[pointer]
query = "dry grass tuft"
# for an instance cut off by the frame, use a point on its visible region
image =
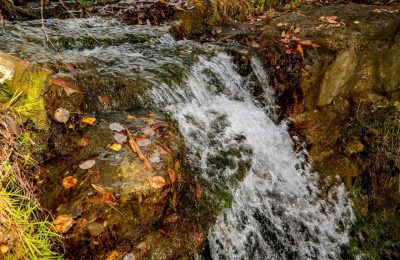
(24, 231)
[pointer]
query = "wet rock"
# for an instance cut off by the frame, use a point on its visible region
(29, 82)
(115, 200)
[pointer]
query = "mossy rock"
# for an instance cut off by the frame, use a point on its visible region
(28, 82)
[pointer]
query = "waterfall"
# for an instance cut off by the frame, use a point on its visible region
(276, 211)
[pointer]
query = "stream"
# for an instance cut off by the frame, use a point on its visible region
(265, 194)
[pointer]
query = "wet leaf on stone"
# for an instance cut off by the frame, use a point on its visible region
(69, 182)
(87, 164)
(99, 189)
(115, 147)
(157, 182)
(120, 138)
(117, 127)
(89, 120)
(62, 115)
(63, 223)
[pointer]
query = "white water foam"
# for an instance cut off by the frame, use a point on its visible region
(276, 212)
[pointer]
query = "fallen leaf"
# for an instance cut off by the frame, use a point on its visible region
(300, 50)
(109, 199)
(105, 101)
(99, 189)
(115, 147)
(83, 142)
(89, 120)
(63, 223)
(114, 255)
(61, 115)
(199, 190)
(288, 51)
(329, 19)
(69, 182)
(297, 30)
(130, 117)
(87, 164)
(157, 182)
(117, 127)
(197, 237)
(69, 88)
(120, 138)
(172, 175)
(137, 150)
(308, 43)
(12, 125)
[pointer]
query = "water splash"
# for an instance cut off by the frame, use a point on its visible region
(276, 212)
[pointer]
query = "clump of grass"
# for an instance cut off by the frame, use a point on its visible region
(25, 232)
(376, 192)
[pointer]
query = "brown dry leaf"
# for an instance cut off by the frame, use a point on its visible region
(115, 147)
(329, 19)
(137, 150)
(308, 43)
(105, 101)
(172, 175)
(157, 182)
(300, 50)
(69, 88)
(199, 190)
(89, 120)
(297, 30)
(99, 189)
(87, 164)
(288, 51)
(130, 117)
(83, 142)
(69, 182)
(63, 223)
(13, 125)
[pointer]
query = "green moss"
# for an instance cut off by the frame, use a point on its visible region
(28, 84)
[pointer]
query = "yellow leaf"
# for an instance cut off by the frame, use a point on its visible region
(63, 223)
(89, 120)
(115, 147)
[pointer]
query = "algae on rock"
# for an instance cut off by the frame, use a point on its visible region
(25, 83)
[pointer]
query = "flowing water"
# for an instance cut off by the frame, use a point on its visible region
(237, 148)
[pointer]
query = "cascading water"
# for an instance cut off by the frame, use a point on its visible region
(276, 212)
(229, 125)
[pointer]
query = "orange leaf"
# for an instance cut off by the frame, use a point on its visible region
(109, 199)
(157, 182)
(172, 175)
(63, 223)
(199, 190)
(89, 120)
(300, 50)
(69, 182)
